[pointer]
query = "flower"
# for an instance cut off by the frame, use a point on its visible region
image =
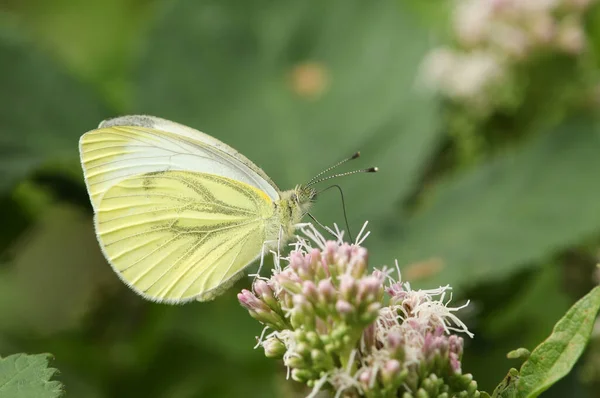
(338, 326)
(493, 38)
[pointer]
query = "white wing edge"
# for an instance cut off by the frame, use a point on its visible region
(183, 130)
(228, 154)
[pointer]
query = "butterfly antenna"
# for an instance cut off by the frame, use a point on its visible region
(343, 207)
(354, 156)
(369, 170)
(321, 225)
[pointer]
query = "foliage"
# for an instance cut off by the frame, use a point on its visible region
(555, 357)
(24, 376)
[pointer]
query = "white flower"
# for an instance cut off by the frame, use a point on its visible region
(437, 68)
(471, 20)
(472, 74)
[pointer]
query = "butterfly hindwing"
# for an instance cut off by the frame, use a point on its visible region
(178, 235)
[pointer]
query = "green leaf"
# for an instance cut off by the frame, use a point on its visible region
(519, 353)
(221, 325)
(43, 111)
(556, 356)
(27, 376)
(72, 276)
(98, 55)
(514, 210)
(243, 72)
(508, 387)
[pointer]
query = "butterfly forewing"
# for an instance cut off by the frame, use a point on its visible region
(110, 154)
(179, 235)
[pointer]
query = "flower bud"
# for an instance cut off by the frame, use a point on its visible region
(295, 361)
(315, 264)
(370, 313)
(252, 303)
(269, 318)
(320, 359)
(390, 372)
(369, 289)
(289, 280)
(328, 258)
(313, 339)
(348, 287)
(264, 291)
(300, 264)
(342, 257)
(365, 377)
(344, 308)
(303, 313)
(274, 348)
(395, 344)
(358, 262)
(327, 292)
(301, 375)
(309, 290)
(454, 363)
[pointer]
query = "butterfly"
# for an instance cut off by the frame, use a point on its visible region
(179, 214)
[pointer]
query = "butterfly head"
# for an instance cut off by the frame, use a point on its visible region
(304, 196)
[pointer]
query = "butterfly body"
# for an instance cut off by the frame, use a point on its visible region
(179, 214)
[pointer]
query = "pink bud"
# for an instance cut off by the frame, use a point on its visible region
(347, 286)
(368, 288)
(454, 363)
(456, 344)
(299, 263)
(392, 366)
(250, 301)
(358, 261)
(314, 261)
(328, 255)
(262, 288)
(365, 377)
(326, 290)
(289, 280)
(309, 290)
(344, 307)
(300, 301)
(395, 339)
(342, 257)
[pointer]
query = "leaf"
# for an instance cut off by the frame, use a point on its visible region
(43, 110)
(514, 210)
(519, 353)
(508, 387)
(556, 356)
(26, 376)
(99, 55)
(221, 325)
(61, 258)
(296, 86)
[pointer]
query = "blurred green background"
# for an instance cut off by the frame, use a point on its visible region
(502, 203)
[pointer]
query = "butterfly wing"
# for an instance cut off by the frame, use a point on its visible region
(174, 236)
(133, 145)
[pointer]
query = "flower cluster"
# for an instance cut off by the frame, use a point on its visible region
(493, 37)
(341, 328)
